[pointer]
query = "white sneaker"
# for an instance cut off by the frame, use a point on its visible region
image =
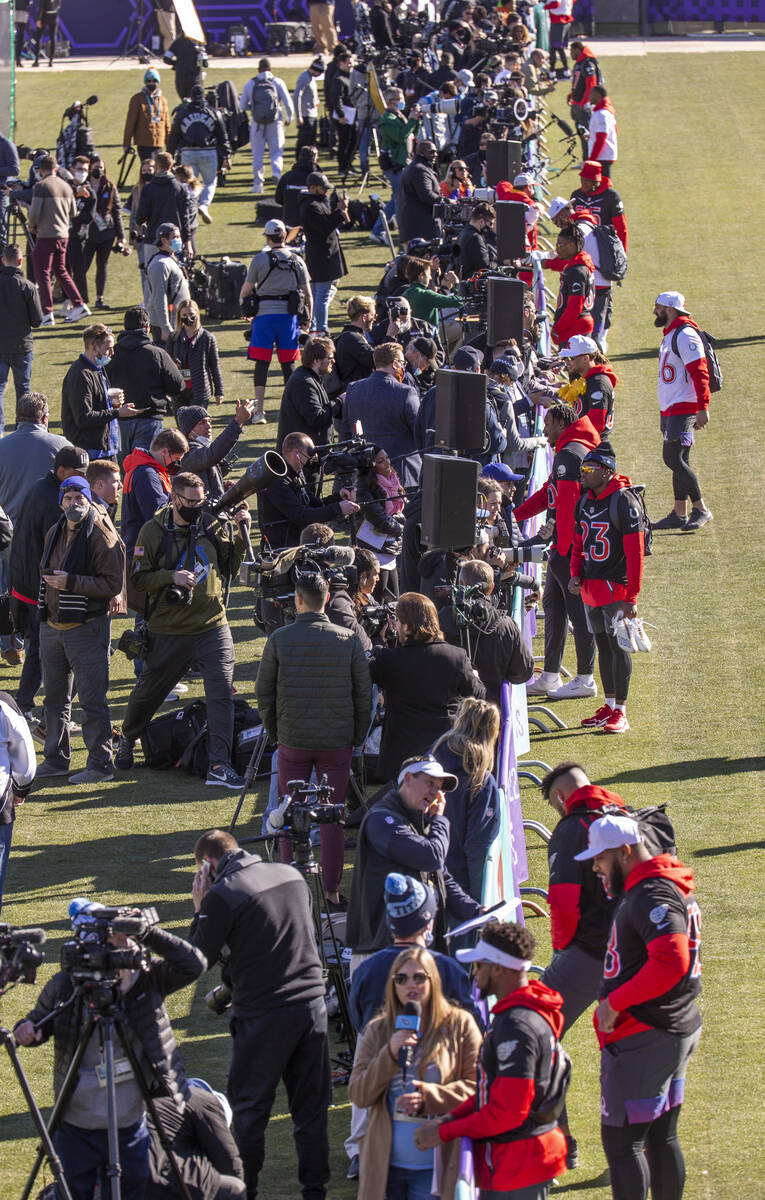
(639, 635)
(259, 418)
(48, 321)
(79, 310)
(204, 213)
(542, 685)
(575, 689)
(64, 308)
(174, 695)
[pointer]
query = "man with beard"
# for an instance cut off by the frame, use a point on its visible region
(684, 403)
(594, 381)
(648, 1022)
(517, 1152)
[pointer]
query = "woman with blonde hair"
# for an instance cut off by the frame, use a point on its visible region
(195, 352)
(421, 678)
(441, 1074)
(468, 751)
(457, 185)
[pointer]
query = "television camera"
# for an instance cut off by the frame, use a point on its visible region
(91, 958)
(19, 956)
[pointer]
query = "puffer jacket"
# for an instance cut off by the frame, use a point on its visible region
(180, 964)
(302, 690)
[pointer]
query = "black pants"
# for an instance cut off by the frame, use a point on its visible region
(643, 1155)
(606, 168)
(346, 145)
(307, 134)
(288, 1044)
(170, 656)
(614, 663)
(559, 605)
(49, 25)
(685, 483)
(101, 254)
(31, 672)
(75, 261)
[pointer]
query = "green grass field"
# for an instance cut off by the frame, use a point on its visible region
(692, 179)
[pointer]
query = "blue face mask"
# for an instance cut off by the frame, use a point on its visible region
(401, 105)
(416, 370)
(102, 360)
(176, 245)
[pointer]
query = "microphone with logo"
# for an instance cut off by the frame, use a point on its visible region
(408, 1019)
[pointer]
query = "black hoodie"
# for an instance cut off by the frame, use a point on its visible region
(146, 373)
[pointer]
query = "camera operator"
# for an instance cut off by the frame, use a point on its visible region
(167, 283)
(354, 357)
(306, 407)
(429, 305)
(9, 169)
(324, 257)
(418, 191)
(314, 696)
(421, 356)
(286, 506)
(81, 1139)
(188, 58)
(476, 242)
(181, 562)
(414, 81)
(261, 911)
(499, 654)
(400, 326)
(204, 457)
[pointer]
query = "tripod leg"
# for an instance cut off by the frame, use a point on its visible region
(334, 972)
(113, 1170)
(48, 1149)
(252, 769)
(149, 1102)
(61, 1102)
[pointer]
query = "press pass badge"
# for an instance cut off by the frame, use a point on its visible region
(122, 1072)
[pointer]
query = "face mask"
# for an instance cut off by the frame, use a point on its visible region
(429, 938)
(77, 512)
(150, 87)
(189, 512)
(79, 176)
(147, 175)
(96, 172)
(416, 370)
(101, 360)
(189, 320)
(401, 105)
(176, 245)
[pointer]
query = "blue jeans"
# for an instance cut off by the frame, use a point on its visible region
(20, 362)
(323, 295)
(203, 161)
(6, 833)
(393, 176)
(84, 1152)
(408, 1185)
(139, 431)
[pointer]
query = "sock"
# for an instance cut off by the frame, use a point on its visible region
(622, 708)
(610, 701)
(548, 675)
(586, 679)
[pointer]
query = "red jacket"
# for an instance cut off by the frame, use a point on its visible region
(605, 585)
(140, 458)
(590, 76)
(513, 1051)
(577, 289)
(562, 489)
(579, 908)
(607, 209)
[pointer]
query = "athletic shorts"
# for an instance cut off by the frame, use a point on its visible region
(599, 617)
(643, 1076)
(280, 328)
(679, 428)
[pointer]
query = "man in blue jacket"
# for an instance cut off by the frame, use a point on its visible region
(387, 409)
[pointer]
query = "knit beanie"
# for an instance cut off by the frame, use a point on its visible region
(409, 905)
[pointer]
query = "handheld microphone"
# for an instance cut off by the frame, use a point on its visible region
(409, 1019)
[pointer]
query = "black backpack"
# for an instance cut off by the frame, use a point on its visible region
(611, 252)
(655, 825)
(637, 492)
(178, 740)
(713, 362)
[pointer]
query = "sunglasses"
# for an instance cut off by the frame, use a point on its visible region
(588, 469)
(419, 978)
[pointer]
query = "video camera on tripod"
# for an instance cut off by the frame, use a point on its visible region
(345, 460)
(89, 957)
(19, 956)
(293, 818)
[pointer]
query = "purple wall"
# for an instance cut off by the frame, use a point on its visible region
(690, 10)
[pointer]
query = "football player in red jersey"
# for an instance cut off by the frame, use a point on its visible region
(598, 195)
(573, 312)
(596, 401)
(607, 571)
(648, 1022)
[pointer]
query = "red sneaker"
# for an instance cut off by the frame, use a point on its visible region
(616, 723)
(599, 718)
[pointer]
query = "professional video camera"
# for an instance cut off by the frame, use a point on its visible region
(19, 956)
(294, 818)
(346, 460)
(471, 605)
(88, 957)
(373, 618)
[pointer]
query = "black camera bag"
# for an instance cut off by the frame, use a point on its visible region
(178, 739)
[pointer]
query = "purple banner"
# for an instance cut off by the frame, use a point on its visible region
(661, 11)
(508, 781)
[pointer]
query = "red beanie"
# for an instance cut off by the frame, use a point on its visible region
(590, 170)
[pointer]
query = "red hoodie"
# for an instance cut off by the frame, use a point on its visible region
(574, 310)
(562, 489)
(591, 77)
(504, 1098)
(140, 458)
(601, 589)
(574, 894)
(609, 204)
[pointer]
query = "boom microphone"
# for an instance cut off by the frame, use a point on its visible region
(15, 937)
(564, 125)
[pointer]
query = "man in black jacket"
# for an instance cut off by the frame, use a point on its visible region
(148, 378)
(418, 190)
(204, 457)
(164, 201)
(262, 913)
(22, 312)
(407, 832)
(477, 248)
(202, 1144)
(306, 407)
(497, 650)
(292, 184)
(81, 1138)
(188, 59)
(286, 506)
(90, 408)
(323, 254)
(199, 134)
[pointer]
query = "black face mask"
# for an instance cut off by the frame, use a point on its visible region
(150, 87)
(189, 512)
(96, 172)
(188, 320)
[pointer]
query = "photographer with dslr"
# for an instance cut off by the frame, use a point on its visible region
(262, 912)
(394, 132)
(287, 505)
(62, 1012)
(182, 562)
(476, 242)
(498, 652)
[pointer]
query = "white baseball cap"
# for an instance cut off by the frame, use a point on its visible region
(608, 833)
(673, 300)
(275, 228)
(523, 180)
(578, 344)
(429, 766)
(557, 204)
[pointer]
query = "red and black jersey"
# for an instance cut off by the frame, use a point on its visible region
(514, 1069)
(597, 400)
(652, 968)
(609, 548)
(580, 910)
(606, 205)
(573, 312)
(585, 74)
(561, 491)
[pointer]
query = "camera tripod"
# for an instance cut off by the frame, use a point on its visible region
(134, 47)
(105, 1015)
(250, 774)
(47, 1149)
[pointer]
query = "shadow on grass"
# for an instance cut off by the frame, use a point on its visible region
(581, 1185)
(690, 768)
(714, 851)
